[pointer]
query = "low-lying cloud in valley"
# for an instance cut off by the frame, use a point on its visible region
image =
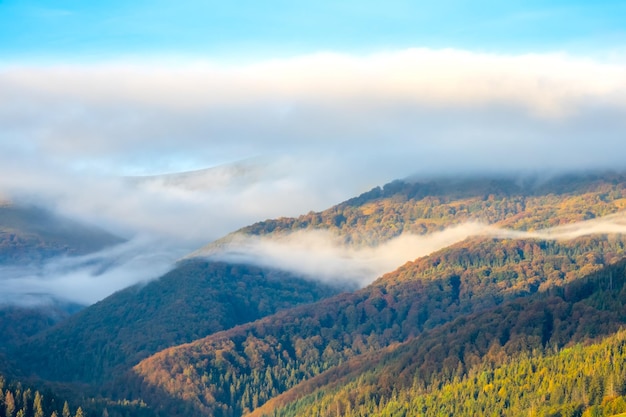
(283, 137)
(315, 254)
(321, 255)
(89, 278)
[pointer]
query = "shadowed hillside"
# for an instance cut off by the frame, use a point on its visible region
(31, 234)
(194, 300)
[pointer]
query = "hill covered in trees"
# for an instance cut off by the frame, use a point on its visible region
(217, 338)
(517, 358)
(234, 372)
(421, 207)
(195, 299)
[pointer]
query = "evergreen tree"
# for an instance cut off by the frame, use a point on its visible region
(37, 405)
(26, 397)
(66, 410)
(9, 402)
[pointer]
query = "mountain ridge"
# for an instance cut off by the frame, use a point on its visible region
(231, 371)
(405, 308)
(31, 234)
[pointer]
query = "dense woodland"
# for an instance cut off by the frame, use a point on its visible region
(17, 324)
(423, 207)
(582, 380)
(438, 372)
(234, 372)
(17, 400)
(194, 300)
(477, 328)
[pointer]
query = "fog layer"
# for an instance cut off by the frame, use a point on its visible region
(326, 127)
(87, 279)
(320, 254)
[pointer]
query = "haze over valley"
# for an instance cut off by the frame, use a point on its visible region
(327, 209)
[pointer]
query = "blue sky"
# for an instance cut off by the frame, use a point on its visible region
(243, 30)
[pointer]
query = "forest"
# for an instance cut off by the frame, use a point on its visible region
(487, 326)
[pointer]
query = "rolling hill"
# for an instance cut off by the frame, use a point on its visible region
(195, 299)
(483, 363)
(234, 372)
(219, 338)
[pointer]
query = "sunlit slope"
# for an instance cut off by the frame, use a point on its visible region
(237, 370)
(195, 299)
(499, 361)
(234, 372)
(425, 206)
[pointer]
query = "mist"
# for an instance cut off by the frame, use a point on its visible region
(315, 254)
(321, 255)
(320, 128)
(187, 151)
(87, 279)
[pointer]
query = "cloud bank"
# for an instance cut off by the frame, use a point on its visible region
(320, 255)
(316, 254)
(327, 126)
(89, 278)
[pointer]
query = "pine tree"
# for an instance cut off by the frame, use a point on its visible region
(37, 405)
(9, 402)
(79, 412)
(26, 401)
(66, 410)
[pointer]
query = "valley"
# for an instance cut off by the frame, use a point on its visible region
(539, 285)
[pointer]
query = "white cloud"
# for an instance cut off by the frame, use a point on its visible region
(316, 254)
(89, 278)
(328, 125)
(323, 256)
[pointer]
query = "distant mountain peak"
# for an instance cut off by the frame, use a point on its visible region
(239, 173)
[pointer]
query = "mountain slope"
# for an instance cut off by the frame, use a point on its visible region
(299, 344)
(411, 378)
(18, 323)
(425, 206)
(233, 372)
(237, 370)
(31, 234)
(195, 299)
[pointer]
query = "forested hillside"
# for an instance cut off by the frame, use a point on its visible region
(19, 323)
(507, 360)
(194, 300)
(426, 206)
(17, 400)
(236, 371)
(221, 339)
